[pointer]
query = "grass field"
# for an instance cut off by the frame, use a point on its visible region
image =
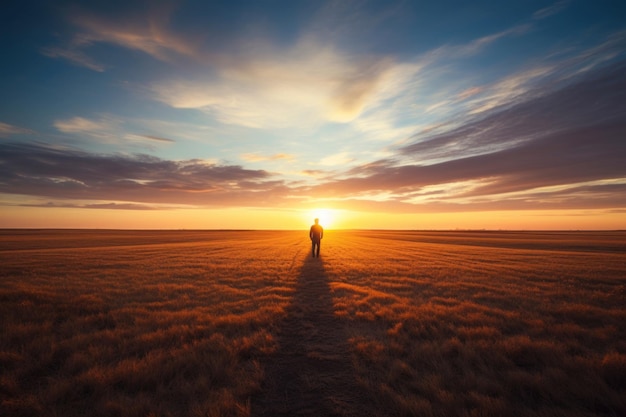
(246, 323)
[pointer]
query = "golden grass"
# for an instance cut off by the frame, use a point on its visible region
(233, 323)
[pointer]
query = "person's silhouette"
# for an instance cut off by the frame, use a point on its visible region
(316, 233)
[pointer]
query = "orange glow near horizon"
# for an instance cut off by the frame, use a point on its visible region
(296, 219)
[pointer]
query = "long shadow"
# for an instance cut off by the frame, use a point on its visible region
(311, 373)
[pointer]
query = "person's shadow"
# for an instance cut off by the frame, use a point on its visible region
(311, 373)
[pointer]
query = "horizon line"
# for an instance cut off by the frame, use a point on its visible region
(297, 230)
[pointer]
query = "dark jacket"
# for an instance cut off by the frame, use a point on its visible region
(316, 233)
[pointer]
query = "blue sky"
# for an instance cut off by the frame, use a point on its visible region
(368, 106)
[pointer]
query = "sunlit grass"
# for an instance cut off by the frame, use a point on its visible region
(466, 330)
(191, 323)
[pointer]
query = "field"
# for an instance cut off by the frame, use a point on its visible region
(247, 323)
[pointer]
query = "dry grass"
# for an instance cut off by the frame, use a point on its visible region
(246, 323)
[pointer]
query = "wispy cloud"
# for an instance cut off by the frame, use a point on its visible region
(303, 85)
(509, 90)
(556, 8)
(75, 55)
(479, 44)
(255, 157)
(83, 125)
(315, 173)
(337, 159)
(158, 139)
(461, 107)
(97, 206)
(557, 139)
(145, 30)
(108, 129)
(7, 130)
(105, 129)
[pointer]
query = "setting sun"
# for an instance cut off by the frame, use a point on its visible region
(329, 218)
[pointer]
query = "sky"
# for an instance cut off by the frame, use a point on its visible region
(265, 114)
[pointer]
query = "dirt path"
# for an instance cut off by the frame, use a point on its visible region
(311, 374)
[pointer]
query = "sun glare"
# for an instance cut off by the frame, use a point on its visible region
(328, 217)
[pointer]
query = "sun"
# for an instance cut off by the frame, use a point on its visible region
(328, 217)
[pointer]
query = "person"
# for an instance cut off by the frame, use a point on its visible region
(316, 234)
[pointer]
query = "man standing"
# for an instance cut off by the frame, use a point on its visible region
(316, 234)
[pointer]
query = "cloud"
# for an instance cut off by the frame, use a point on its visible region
(146, 30)
(255, 157)
(159, 139)
(257, 84)
(108, 129)
(538, 115)
(74, 55)
(338, 159)
(82, 125)
(97, 206)
(306, 84)
(7, 130)
(262, 84)
(70, 174)
(472, 91)
(509, 90)
(558, 139)
(315, 173)
(556, 8)
(479, 44)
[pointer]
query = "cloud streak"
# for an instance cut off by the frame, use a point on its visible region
(7, 130)
(147, 31)
(42, 171)
(96, 206)
(255, 157)
(556, 8)
(554, 140)
(75, 55)
(108, 129)
(554, 111)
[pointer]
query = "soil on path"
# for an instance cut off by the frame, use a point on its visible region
(311, 374)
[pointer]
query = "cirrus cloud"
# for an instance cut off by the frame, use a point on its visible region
(308, 83)
(7, 130)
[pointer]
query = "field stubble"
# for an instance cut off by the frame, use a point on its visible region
(240, 323)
